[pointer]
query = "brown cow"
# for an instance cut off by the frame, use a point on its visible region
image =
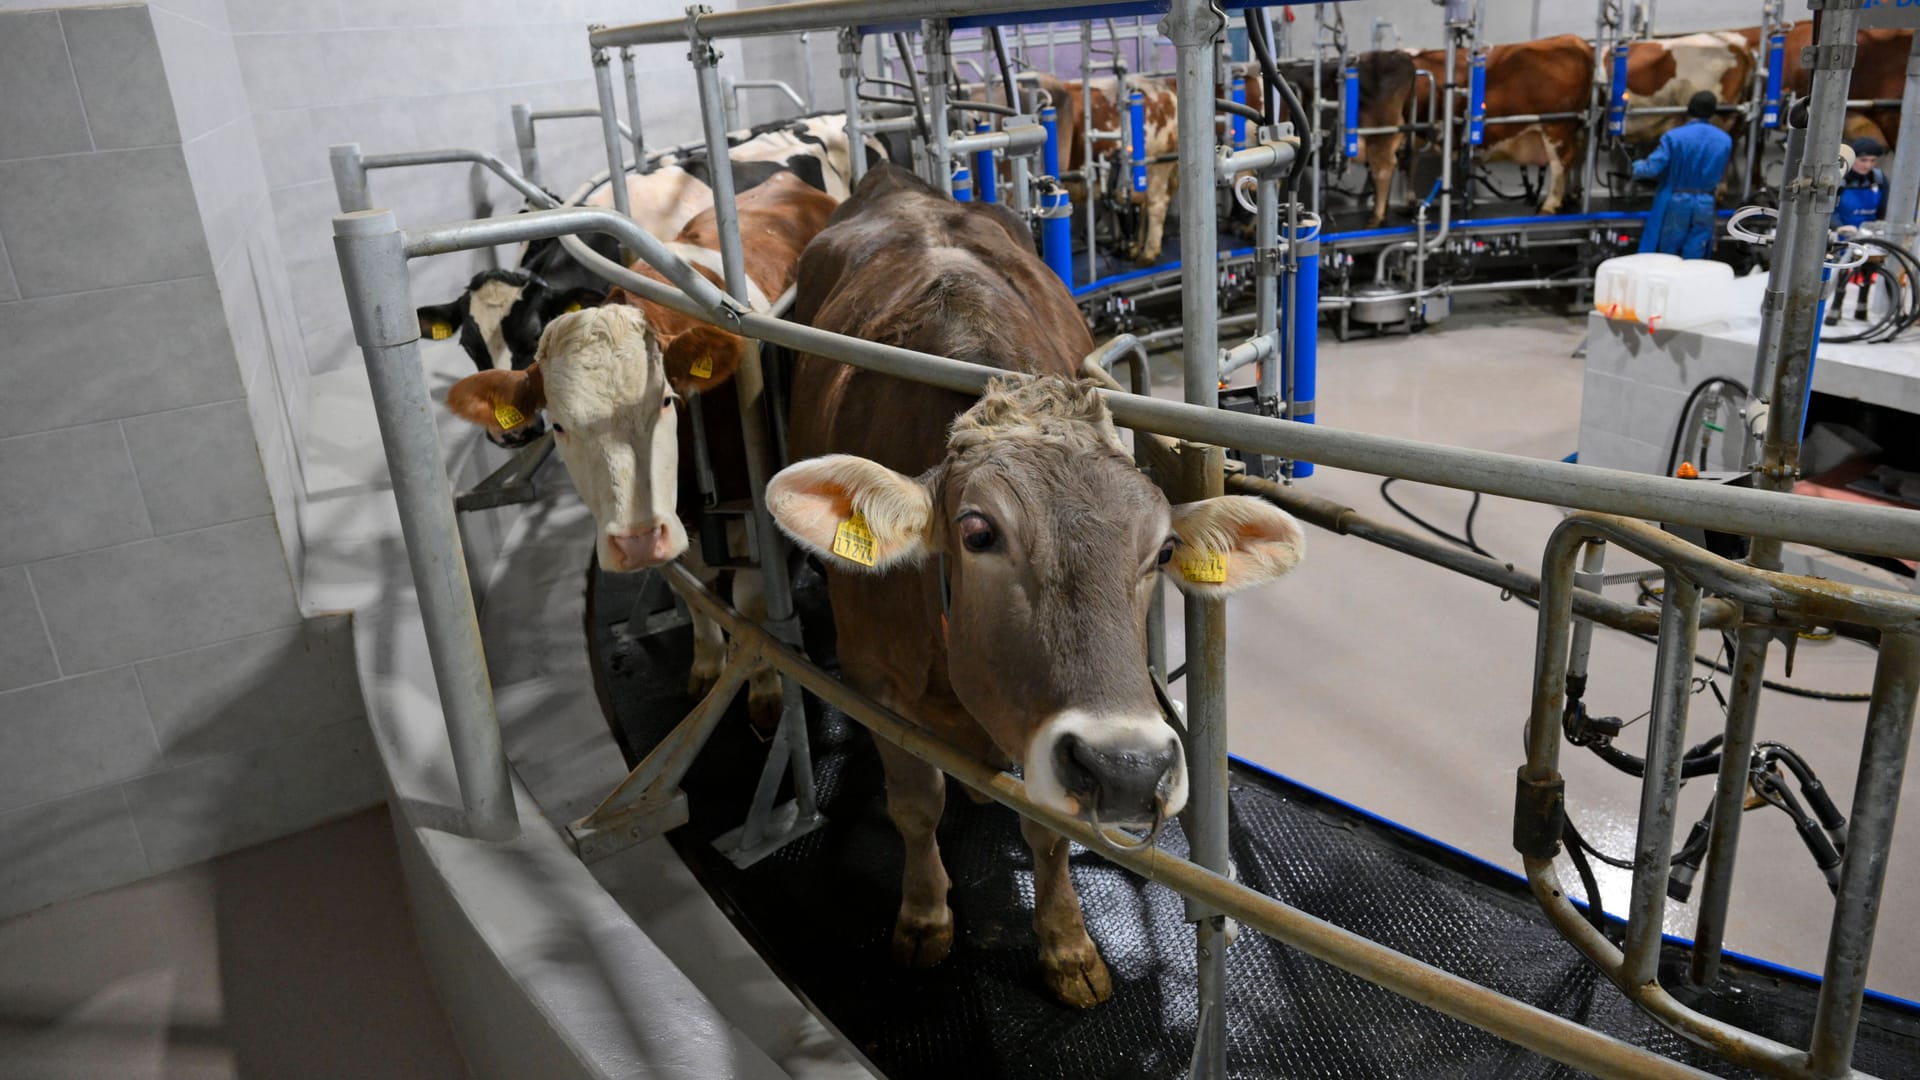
(1669, 71)
(1552, 75)
(611, 379)
(1163, 137)
(1879, 73)
(990, 564)
(1387, 88)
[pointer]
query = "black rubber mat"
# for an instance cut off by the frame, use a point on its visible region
(821, 911)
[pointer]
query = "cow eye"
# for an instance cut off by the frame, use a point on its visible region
(1166, 552)
(976, 532)
(558, 430)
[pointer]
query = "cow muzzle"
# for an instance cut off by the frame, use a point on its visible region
(642, 548)
(1125, 772)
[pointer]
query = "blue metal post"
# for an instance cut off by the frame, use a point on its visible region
(1617, 92)
(1776, 62)
(1350, 142)
(1477, 98)
(1239, 122)
(985, 177)
(1056, 232)
(1137, 105)
(1303, 324)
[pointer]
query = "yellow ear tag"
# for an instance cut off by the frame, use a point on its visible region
(703, 367)
(571, 308)
(440, 331)
(854, 541)
(1205, 568)
(507, 416)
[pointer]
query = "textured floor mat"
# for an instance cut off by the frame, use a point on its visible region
(821, 911)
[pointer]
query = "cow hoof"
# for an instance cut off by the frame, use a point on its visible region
(1077, 979)
(701, 683)
(921, 943)
(763, 712)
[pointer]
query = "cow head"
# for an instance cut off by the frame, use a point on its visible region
(500, 316)
(610, 391)
(1050, 541)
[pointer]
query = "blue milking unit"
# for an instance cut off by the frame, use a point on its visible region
(1617, 92)
(1350, 142)
(1477, 98)
(962, 183)
(1056, 229)
(1137, 105)
(1239, 95)
(985, 177)
(1305, 332)
(1776, 62)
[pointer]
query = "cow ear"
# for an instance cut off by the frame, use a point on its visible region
(439, 321)
(1231, 543)
(500, 401)
(855, 514)
(703, 358)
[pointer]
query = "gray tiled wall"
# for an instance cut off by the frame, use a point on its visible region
(159, 685)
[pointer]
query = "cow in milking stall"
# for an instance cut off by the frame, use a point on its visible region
(612, 380)
(1109, 113)
(498, 319)
(990, 561)
(1879, 74)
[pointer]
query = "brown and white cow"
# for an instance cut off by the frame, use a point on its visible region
(611, 380)
(1879, 73)
(990, 562)
(1109, 113)
(1552, 75)
(1669, 71)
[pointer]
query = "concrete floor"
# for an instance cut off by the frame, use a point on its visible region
(1404, 688)
(289, 960)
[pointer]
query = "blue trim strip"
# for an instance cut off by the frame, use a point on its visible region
(1675, 939)
(1146, 271)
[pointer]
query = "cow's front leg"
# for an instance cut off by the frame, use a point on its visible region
(1556, 175)
(763, 688)
(1069, 962)
(916, 795)
(1159, 198)
(1382, 154)
(709, 641)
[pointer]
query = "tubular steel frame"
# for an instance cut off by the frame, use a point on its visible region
(374, 253)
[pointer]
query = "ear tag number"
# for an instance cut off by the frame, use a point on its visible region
(703, 369)
(853, 541)
(1205, 568)
(508, 417)
(440, 331)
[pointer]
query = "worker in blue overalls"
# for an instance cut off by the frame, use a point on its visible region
(1689, 163)
(1862, 199)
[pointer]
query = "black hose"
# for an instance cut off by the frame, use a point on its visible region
(1903, 308)
(901, 42)
(1006, 69)
(1222, 105)
(1686, 410)
(1273, 84)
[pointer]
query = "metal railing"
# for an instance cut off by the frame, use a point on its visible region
(374, 255)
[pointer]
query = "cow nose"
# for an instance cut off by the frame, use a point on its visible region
(1125, 782)
(640, 548)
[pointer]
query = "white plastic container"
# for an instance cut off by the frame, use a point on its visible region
(1664, 292)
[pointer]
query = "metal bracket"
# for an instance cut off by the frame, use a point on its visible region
(700, 49)
(1828, 57)
(1199, 30)
(1268, 262)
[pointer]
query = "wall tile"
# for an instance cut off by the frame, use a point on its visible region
(198, 466)
(294, 142)
(228, 187)
(43, 114)
(122, 83)
(91, 221)
(72, 734)
(240, 694)
(196, 811)
(67, 847)
(9, 290)
(289, 71)
(117, 352)
(209, 13)
(203, 73)
(251, 16)
(160, 596)
(26, 653)
(66, 491)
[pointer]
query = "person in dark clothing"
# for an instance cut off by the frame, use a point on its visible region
(1689, 163)
(1863, 193)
